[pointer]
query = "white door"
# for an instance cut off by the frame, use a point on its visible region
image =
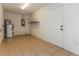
(55, 16)
(71, 27)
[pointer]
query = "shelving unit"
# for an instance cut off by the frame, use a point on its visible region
(31, 22)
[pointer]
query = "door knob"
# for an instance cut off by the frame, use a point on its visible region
(61, 27)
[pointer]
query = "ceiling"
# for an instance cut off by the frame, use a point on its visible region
(16, 7)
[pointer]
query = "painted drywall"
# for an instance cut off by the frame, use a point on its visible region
(50, 19)
(1, 24)
(45, 29)
(16, 20)
(71, 27)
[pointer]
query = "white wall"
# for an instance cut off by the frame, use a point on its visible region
(71, 27)
(46, 29)
(50, 18)
(16, 20)
(1, 24)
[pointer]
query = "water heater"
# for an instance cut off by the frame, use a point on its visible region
(9, 29)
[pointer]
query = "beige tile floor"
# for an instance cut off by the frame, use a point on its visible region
(27, 45)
